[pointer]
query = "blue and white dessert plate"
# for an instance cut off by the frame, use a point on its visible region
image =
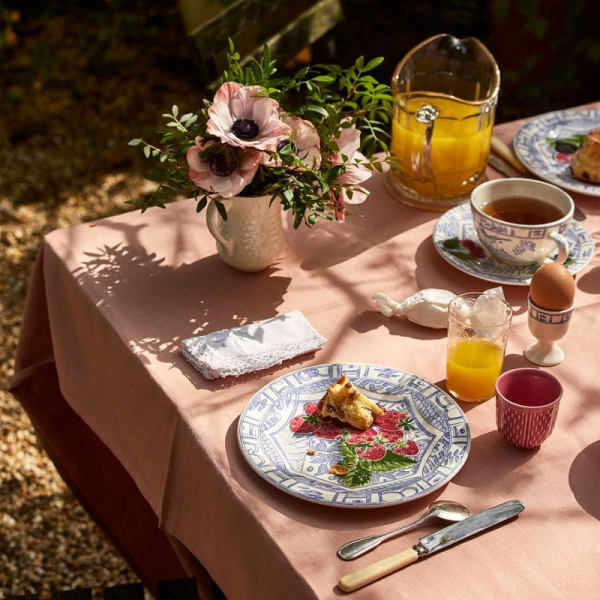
(455, 239)
(418, 445)
(546, 144)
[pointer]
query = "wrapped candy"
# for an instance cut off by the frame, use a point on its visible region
(428, 308)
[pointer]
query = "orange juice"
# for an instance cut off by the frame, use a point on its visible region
(472, 369)
(460, 145)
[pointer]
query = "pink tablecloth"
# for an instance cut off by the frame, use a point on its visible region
(109, 304)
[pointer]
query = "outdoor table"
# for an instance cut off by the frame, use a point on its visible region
(150, 447)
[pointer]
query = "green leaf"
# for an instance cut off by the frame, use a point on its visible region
(147, 151)
(359, 474)
(391, 461)
(318, 109)
(221, 210)
(463, 256)
(156, 175)
(375, 62)
(452, 244)
(175, 110)
(201, 204)
(324, 78)
(135, 142)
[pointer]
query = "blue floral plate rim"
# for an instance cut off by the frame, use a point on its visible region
(299, 464)
(456, 241)
(535, 146)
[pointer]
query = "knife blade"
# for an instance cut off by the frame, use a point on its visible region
(432, 543)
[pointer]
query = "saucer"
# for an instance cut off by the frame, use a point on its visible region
(455, 238)
(546, 144)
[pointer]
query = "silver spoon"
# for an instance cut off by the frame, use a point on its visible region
(442, 509)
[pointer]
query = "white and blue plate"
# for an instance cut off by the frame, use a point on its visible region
(299, 463)
(546, 144)
(456, 240)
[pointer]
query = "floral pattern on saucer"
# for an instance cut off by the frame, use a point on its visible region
(546, 144)
(417, 446)
(455, 239)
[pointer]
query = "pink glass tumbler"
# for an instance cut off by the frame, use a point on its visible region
(527, 403)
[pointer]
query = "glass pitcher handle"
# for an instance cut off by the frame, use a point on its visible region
(427, 115)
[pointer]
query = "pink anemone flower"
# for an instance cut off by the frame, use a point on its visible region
(222, 172)
(305, 141)
(355, 173)
(244, 116)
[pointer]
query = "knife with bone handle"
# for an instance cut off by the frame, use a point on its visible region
(432, 543)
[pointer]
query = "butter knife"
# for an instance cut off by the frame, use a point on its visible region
(502, 150)
(432, 543)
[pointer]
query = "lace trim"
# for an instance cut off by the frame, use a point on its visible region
(210, 363)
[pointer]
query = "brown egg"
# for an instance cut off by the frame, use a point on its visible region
(552, 287)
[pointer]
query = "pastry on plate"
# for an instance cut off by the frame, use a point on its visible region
(585, 163)
(345, 402)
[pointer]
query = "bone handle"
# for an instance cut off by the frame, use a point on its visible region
(500, 148)
(374, 571)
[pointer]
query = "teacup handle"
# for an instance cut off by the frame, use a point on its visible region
(563, 247)
(212, 219)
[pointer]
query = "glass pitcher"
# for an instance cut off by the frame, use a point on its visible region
(445, 96)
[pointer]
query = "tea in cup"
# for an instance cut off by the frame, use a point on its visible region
(445, 95)
(522, 221)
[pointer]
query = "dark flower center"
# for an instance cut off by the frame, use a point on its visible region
(221, 167)
(283, 143)
(245, 129)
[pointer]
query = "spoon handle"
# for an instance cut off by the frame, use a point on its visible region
(357, 548)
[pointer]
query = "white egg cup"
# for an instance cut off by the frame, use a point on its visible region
(547, 326)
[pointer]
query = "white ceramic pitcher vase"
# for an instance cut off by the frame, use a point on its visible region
(251, 239)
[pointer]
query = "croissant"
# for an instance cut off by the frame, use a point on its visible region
(585, 163)
(345, 402)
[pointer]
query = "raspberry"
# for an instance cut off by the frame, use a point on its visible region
(390, 436)
(410, 449)
(357, 436)
(391, 419)
(327, 431)
(377, 452)
(300, 424)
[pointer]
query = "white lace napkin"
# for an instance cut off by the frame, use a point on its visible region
(252, 347)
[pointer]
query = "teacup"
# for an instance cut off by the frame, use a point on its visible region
(522, 221)
(527, 403)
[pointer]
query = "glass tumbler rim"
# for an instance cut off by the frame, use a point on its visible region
(474, 295)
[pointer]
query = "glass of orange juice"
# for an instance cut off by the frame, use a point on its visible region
(478, 328)
(445, 97)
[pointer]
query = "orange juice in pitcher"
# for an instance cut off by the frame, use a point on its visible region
(445, 96)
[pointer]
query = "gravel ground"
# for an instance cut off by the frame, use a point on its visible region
(71, 99)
